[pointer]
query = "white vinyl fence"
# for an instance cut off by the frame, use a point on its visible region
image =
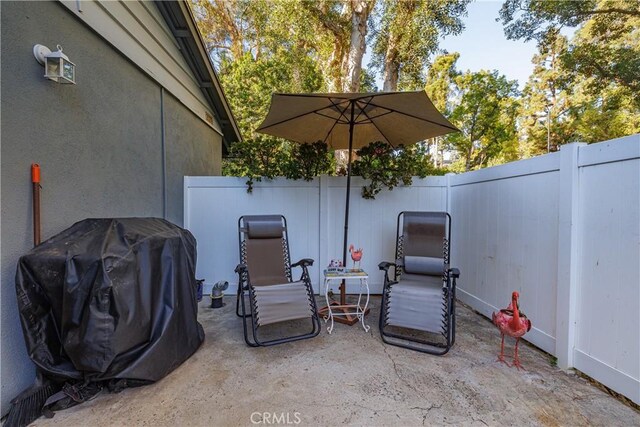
(315, 220)
(562, 229)
(606, 298)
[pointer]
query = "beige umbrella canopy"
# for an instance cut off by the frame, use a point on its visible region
(352, 121)
(394, 117)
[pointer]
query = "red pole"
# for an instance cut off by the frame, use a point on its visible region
(35, 180)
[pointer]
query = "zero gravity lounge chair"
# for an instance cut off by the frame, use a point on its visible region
(266, 292)
(418, 303)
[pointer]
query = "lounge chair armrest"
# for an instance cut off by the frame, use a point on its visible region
(384, 265)
(454, 273)
(241, 268)
(304, 262)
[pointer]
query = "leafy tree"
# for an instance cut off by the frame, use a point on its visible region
(485, 113)
(360, 10)
(611, 114)
(341, 28)
(574, 103)
(439, 87)
(220, 27)
(261, 47)
(368, 81)
(531, 19)
(406, 34)
(606, 53)
(249, 84)
(506, 147)
(547, 99)
(232, 28)
(608, 46)
(331, 26)
(440, 80)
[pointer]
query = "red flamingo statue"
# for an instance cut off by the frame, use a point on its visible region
(356, 255)
(511, 321)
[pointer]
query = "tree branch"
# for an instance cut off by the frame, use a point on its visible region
(604, 73)
(610, 10)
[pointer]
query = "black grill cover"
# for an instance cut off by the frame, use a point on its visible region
(110, 299)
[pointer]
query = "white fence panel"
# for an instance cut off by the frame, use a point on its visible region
(372, 223)
(315, 217)
(214, 204)
(505, 238)
(607, 339)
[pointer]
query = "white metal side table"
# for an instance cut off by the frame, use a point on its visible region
(358, 310)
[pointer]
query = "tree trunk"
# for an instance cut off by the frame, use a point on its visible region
(467, 164)
(405, 11)
(435, 151)
(391, 66)
(332, 66)
(333, 74)
(235, 35)
(360, 10)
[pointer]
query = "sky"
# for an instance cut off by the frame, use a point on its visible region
(483, 46)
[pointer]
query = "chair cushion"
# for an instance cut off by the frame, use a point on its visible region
(265, 260)
(424, 265)
(278, 303)
(417, 304)
(264, 229)
(421, 281)
(424, 233)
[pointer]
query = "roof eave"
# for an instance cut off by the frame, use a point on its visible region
(181, 22)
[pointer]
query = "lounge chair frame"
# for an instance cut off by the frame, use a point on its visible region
(449, 294)
(245, 288)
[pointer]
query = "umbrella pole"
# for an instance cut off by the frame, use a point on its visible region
(343, 290)
(349, 318)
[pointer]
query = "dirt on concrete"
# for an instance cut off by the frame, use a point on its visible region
(351, 378)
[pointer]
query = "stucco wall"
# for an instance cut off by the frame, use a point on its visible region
(192, 149)
(99, 144)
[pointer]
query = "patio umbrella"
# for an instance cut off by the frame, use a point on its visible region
(352, 121)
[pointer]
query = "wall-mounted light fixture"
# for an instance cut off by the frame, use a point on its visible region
(57, 66)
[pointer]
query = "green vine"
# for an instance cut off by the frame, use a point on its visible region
(381, 164)
(308, 161)
(255, 159)
(268, 157)
(388, 167)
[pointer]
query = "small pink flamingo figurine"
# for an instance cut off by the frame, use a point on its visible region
(356, 255)
(511, 321)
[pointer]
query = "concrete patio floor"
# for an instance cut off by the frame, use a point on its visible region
(351, 377)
